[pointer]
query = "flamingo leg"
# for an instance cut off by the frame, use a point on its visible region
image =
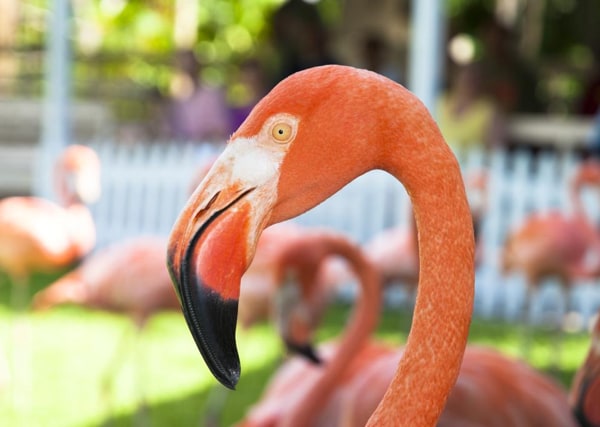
(142, 417)
(115, 364)
(527, 321)
(127, 345)
(558, 330)
(20, 350)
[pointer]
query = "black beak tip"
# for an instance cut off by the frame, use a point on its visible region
(305, 350)
(229, 378)
(212, 321)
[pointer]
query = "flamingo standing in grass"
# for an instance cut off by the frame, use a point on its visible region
(39, 235)
(555, 245)
(305, 394)
(128, 277)
(314, 132)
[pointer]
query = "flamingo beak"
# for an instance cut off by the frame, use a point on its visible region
(306, 350)
(294, 322)
(210, 247)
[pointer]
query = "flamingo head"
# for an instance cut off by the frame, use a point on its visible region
(294, 320)
(77, 175)
(305, 140)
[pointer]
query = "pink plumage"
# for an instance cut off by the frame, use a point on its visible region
(128, 277)
(36, 234)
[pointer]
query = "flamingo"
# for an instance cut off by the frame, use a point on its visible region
(491, 390)
(553, 244)
(309, 394)
(585, 390)
(314, 132)
(39, 235)
(127, 277)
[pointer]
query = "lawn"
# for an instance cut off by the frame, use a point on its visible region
(67, 351)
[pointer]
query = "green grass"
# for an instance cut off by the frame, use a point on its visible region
(71, 349)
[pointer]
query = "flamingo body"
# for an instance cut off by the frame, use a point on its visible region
(36, 234)
(547, 245)
(129, 277)
(555, 244)
(492, 390)
(395, 254)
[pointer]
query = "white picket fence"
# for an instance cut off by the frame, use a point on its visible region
(145, 186)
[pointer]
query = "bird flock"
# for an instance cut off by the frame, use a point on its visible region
(233, 258)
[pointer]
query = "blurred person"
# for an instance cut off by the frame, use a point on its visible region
(300, 37)
(590, 100)
(375, 57)
(512, 81)
(197, 112)
(467, 117)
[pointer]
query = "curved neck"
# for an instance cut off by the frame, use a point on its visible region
(360, 327)
(582, 268)
(81, 228)
(575, 196)
(433, 354)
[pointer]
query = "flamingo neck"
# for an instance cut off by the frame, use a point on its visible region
(360, 327)
(82, 230)
(436, 343)
(582, 268)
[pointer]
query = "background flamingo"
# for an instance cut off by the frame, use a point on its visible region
(285, 252)
(304, 394)
(395, 251)
(294, 151)
(129, 277)
(39, 235)
(555, 245)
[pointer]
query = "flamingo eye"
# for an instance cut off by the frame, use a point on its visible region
(282, 132)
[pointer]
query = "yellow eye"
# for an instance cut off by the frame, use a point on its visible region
(281, 132)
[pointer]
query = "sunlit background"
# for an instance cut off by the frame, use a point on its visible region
(156, 88)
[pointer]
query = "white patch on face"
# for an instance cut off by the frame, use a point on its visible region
(252, 163)
(256, 160)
